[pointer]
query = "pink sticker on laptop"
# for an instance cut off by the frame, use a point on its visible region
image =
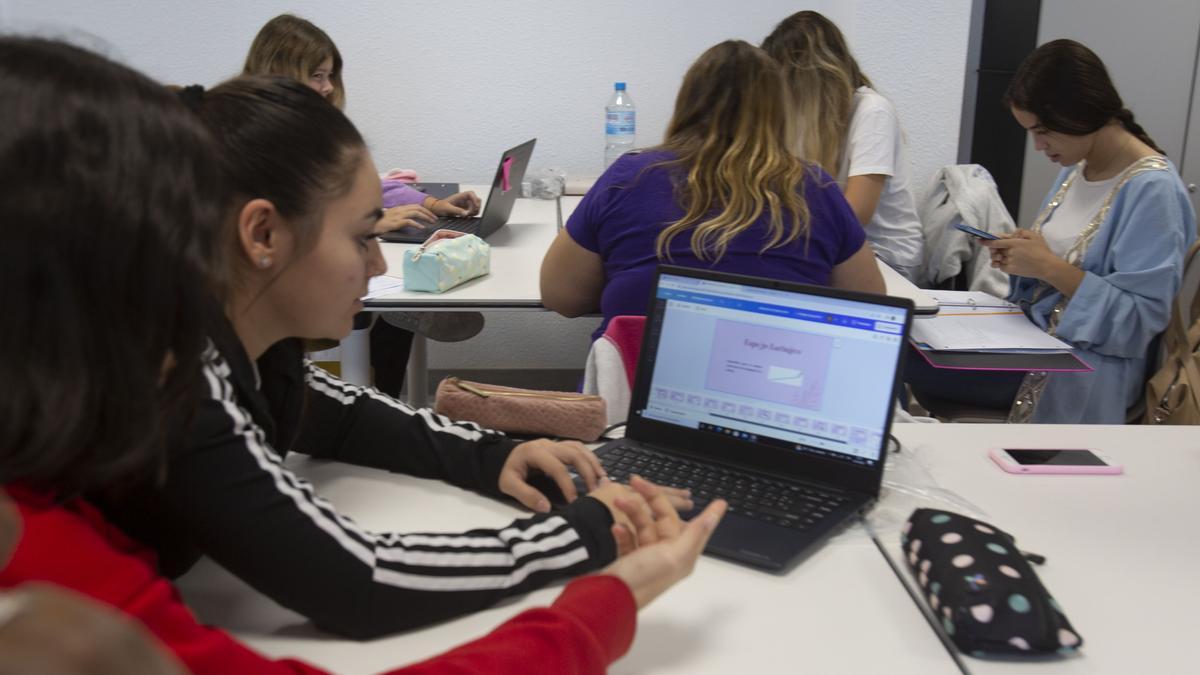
(505, 168)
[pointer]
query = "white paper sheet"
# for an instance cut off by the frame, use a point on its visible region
(984, 329)
(384, 284)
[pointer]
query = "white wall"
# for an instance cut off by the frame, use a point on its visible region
(1151, 62)
(517, 70)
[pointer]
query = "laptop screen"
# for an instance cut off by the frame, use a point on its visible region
(799, 372)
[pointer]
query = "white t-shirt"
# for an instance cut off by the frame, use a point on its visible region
(1077, 209)
(875, 145)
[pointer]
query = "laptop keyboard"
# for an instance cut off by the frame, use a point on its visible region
(781, 503)
(467, 224)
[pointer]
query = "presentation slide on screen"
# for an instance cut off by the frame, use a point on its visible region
(812, 383)
(770, 364)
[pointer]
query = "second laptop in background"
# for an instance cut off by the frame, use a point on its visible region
(506, 188)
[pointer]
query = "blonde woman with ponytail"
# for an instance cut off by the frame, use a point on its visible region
(725, 190)
(853, 132)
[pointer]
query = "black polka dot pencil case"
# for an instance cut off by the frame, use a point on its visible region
(982, 589)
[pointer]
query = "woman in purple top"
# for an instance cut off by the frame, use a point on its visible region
(725, 190)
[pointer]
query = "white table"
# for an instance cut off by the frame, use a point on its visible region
(897, 285)
(1121, 560)
(1121, 551)
(516, 260)
(839, 611)
(512, 285)
(517, 252)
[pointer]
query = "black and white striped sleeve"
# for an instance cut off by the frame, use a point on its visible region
(229, 491)
(361, 425)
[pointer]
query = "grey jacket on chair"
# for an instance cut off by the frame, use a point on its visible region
(963, 193)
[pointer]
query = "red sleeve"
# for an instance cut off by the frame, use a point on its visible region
(71, 547)
(589, 626)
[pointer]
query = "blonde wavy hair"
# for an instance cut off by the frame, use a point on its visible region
(732, 132)
(823, 76)
(293, 47)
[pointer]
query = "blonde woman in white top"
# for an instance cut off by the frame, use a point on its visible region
(853, 132)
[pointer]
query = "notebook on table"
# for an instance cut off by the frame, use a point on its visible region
(773, 395)
(506, 188)
(975, 331)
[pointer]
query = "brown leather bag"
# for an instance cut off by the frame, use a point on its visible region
(526, 412)
(1173, 393)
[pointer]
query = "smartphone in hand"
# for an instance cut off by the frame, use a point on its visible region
(975, 232)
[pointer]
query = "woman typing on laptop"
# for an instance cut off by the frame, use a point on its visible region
(725, 190)
(300, 246)
(293, 47)
(290, 46)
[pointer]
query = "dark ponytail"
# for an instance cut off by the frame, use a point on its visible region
(1125, 117)
(283, 142)
(191, 96)
(1068, 88)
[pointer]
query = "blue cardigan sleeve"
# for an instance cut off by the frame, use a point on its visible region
(1125, 301)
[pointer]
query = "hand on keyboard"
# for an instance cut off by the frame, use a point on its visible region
(767, 499)
(681, 498)
(458, 204)
(412, 216)
(553, 459)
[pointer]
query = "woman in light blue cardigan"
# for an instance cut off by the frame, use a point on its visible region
(1102, 262)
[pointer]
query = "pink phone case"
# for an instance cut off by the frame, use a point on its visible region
(1004, 462)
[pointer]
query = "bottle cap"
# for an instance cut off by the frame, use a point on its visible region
(620, 86)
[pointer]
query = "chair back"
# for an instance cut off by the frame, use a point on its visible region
(612, 364)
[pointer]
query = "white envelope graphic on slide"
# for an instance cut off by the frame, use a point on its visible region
(788, 376)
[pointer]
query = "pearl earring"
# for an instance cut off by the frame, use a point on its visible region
(264, 262)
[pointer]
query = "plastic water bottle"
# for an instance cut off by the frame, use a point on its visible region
(620, 124)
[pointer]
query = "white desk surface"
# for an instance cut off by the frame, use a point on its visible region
(839, 611)
(897, 285)
(1121, 560)
(517, 252)
(1121, 551)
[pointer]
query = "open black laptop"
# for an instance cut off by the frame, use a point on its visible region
(773, 395)
(506, 187)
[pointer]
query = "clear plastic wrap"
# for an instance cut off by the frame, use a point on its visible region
(544, 184)
(907, 486)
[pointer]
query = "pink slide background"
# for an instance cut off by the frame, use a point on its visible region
(742, 355)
